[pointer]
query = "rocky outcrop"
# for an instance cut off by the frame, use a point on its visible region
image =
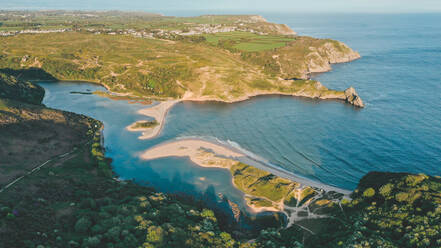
(321, 92)
(283, 29)
(257, 18)
(339, 52)
(353, 98)
(321, 58)
(235, 209)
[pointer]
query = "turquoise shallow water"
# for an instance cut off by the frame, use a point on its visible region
(398, 77)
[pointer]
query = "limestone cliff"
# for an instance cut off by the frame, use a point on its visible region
(319, 59)
(353, 98)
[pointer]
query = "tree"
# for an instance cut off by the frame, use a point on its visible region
(83, 225)
(155, 234)
(369, 192)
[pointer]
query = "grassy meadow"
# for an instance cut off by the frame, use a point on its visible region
(248, 42)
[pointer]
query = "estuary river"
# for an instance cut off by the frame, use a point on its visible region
(399, 78)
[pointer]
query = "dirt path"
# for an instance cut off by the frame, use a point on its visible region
(57, 158)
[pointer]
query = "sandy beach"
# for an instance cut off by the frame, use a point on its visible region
(157, 112)
(198, 150)
(203, 153)
(208, 154)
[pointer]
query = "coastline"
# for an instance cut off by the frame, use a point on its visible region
(159, 111)
(204, 154)
(338, 96)
(216, 155)
(236, 154)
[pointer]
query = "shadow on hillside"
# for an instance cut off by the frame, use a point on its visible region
(32, 73)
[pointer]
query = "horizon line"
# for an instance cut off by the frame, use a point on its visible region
(245, 12)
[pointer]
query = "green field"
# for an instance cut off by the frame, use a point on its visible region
(248, 42)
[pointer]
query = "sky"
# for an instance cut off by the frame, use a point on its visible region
(165, 6)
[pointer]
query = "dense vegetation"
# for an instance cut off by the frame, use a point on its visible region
(387, 210)
(11, 87)
(145, 124)
(78, 204)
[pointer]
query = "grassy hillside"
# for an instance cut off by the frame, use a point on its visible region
(151, 67)
(224, 58)
(12, 88)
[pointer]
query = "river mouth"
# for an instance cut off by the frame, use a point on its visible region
(324, 143)
(171, 175)
(168, 174)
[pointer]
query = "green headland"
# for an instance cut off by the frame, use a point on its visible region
(222, 58)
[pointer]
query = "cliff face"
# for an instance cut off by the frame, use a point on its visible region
(307, 55)
(302, 56)
(353, 98)
(319, 59)
(285, 30)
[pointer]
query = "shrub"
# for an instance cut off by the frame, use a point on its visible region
(10, 216)
(227, 240)
(114, 233)
(369, 192)
(83, 225)
(402, 196)
(91, 242)
(206, 213)
(386, 189)
(97, 229)
(413, 180)
(155, 234)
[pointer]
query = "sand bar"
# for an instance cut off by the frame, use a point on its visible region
(211, 154)
(157, 112)
(203, 153)
(196, 149)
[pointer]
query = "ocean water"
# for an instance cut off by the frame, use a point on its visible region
(399, 130)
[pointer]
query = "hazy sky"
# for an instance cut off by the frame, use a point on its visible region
(394, 6)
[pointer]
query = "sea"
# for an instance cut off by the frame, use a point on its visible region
(399, 130)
